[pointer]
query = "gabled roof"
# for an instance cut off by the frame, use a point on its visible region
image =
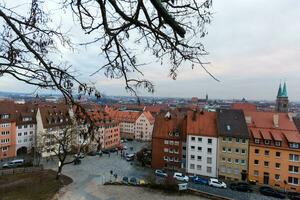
(202, 123)
(149, 116)
(231, 123)
(166, 124)
(54, 115)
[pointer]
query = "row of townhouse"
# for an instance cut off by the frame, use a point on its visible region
(231, 144)
(134, 124)
(29, 125)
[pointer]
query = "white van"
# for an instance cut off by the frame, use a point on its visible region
(130, 157)
(13, 163)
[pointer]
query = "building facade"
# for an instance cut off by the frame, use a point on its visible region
(167, 142)
(202, 143)
(144, 126)
(233, 145)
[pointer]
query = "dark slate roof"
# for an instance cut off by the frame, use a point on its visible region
(297, 122)
(231, 123)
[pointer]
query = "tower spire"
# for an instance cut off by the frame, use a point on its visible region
(284, 90)
(279, 90)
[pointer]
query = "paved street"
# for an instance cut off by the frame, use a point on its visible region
(95, 170)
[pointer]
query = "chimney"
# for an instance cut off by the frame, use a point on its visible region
(194, 115)
(248, 119)
(276, 120)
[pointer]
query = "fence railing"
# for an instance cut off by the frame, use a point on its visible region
(20, 170)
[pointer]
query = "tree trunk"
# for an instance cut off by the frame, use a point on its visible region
(58, 172)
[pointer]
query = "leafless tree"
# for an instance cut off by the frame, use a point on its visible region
(170, 29)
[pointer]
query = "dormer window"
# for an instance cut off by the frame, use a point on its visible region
(5, 116)
(228, 127)
(256, 141)
(277, 143)
(293, 145)
(267, 142)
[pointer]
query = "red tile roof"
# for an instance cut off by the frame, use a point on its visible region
(265, 134)
(202, 123)
(244, 106)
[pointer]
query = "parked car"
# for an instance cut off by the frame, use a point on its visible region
(92, 153)
(142, 182)
(125, 147)
(125, 180)
(199, 180)
(180, 177)
(133, 181)
(216, 183)
(77, 161)
(161, 173)
(294, 195)
(105, 151)
(80, 155)
(130, 157)
(240, 186)
(267, 191)
(13, 163)
(112, 150)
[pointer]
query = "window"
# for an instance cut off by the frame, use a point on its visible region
(229, 160)
(209, 141)
(193, 138)
(236, 171)
(293, 169)
(277, 154)
(277, 177)
(229, 150)
(237, 150)
(199, 158)
(166, 150)
(166, 142)
(243, 151)
(293, 180)
(256, 141)
(166, 158)
(236, 161)
(277, 143)
(192, 166)
(19, 134)
(25, 126)
(255, 173)
(25, 140)
(229, 139)
(31, 125)
(4, 148)
(199, 139)
(256, 151)
(223, 159)
(228, 127)
(237, 140)
(31, 132)
(176, 143)
(243, 162)
(199, 167)
(209, 150)
(224, 139)
(25, 133)
(244, 141)
(199, 148)
(192, 157)
(224, 149)
(229, 170)
(256, 162)
(20, 126)
(294, 157)
(193, 147)
(267, 141)
(267, 153)
(208, 169)
(266, 164)
(294, 145)
(209, 160)
(223, 169)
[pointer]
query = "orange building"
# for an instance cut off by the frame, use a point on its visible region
(7, 130)
(274, 153)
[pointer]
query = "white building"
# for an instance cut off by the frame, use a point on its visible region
(144, 126)
(25, 135)
(202, 144)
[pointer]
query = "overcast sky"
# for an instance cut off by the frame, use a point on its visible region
(253, 45)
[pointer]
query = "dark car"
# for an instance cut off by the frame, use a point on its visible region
(294, 195)
(133, 181)
(242, 187)
(105, 151)
(267, 191)
(112, 150)
(199, 180)
(125, 180)
(92, 153)
(77, 161)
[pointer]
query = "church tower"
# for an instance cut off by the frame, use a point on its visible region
(282, 101)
